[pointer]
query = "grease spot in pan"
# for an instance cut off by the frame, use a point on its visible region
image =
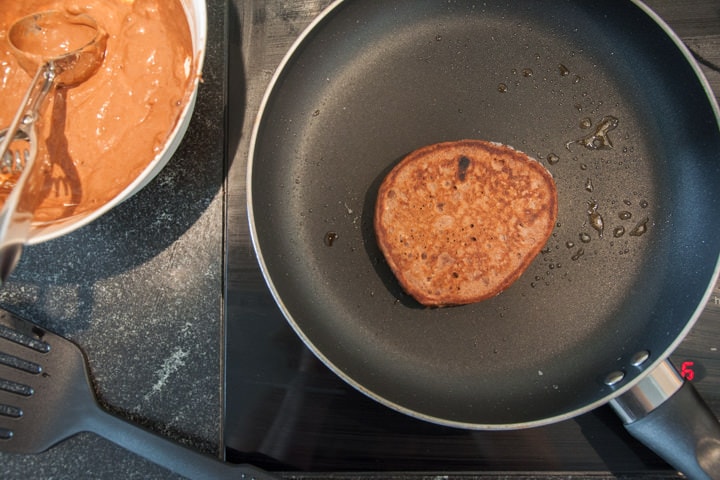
(330, 238)
(640, 228)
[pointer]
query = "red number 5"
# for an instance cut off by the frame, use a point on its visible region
(686, 370)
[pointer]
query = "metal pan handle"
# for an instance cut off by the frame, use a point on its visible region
(668, 415)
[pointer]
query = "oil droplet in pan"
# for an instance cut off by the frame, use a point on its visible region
(589, 185)
(330, 238)
(595, 219)
(553, 159)
(599, 138)
(619, 231)
(564, 72)
(502, 88)
(640, 228)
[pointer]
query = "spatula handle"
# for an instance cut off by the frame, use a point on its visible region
(182, 460)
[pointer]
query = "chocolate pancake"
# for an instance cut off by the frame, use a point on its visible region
(459, 222)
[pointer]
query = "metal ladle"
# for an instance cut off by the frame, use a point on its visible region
(57, 48)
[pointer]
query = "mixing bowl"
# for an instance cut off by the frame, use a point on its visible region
(196, 12)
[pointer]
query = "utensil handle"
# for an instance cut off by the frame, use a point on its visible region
(38, 89)
(680, 428)
(173, 456)
(15, 221)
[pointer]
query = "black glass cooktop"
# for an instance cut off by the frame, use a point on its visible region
(286, 411)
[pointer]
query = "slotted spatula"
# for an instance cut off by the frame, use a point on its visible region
(46, 397)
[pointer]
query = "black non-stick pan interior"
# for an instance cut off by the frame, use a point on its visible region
(375, 80)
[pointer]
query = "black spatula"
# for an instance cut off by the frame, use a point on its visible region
(46, 397)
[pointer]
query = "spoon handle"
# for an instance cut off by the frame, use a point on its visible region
(15, 220)
(27, 112)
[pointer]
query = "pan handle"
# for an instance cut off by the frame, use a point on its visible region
(667, 414)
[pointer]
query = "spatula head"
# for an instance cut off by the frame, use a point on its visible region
(45, 394)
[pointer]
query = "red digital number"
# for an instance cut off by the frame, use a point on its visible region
(686, 370)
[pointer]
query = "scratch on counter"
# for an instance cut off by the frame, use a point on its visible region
(186, 328)
(171, 365)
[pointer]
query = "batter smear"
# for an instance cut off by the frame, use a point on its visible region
(98, 137)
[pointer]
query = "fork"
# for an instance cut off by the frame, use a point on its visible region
(46, 397)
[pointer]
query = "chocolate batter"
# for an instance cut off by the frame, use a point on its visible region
(99, 136)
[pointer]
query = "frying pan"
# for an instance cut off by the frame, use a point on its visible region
(612, 103)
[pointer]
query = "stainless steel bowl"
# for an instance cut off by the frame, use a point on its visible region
(196, 11)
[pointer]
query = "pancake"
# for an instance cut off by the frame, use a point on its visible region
(459, 222)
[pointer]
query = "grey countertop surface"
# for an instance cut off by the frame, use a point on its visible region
(141, 288)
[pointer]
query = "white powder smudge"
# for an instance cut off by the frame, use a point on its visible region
(171, 365)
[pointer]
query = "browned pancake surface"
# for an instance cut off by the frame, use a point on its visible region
(459, 222)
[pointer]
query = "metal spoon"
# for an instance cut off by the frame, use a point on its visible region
(59, 49)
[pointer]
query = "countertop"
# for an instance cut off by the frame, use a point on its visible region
(141, 289)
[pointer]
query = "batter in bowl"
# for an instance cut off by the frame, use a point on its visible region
(99, 136)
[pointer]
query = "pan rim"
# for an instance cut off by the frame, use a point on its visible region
(616, 392)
